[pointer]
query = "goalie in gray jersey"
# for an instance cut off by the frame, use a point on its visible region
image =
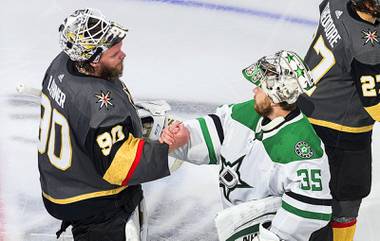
(344, 58)
(92, 156)
(273, 166)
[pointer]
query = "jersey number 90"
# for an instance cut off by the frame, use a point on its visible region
(54, 136)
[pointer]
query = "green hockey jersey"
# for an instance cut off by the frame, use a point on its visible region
(260, 158)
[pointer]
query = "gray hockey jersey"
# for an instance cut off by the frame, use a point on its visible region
(344, 59)
(283, 157)
(91, 151)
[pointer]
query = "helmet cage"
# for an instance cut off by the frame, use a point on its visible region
(283, 76)
(86, 34)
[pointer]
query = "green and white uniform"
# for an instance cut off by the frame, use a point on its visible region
(260, 158)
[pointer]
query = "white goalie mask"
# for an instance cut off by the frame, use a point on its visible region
(283, 76)
(86, 33)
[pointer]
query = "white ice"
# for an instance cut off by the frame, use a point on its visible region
(183, 53)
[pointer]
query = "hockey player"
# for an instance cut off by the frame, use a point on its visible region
(343, 106)
(265, 147)
(91, 156)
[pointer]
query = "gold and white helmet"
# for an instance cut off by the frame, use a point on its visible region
(282, 76)
(86, 34)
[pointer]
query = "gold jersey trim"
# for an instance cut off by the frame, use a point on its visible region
(83, 196)
(339, 127)
(374, 112)
(123, 161)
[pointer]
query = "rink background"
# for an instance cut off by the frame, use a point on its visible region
(188, 52)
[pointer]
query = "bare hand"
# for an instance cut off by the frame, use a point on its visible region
(167, 135)
(176, 135)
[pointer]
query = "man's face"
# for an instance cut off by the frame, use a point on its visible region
(263, 104)
(111, 63)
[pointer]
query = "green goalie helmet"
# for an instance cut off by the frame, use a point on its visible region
(86, 34)
(282, 76)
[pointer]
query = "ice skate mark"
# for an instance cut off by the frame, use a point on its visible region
(24, 140)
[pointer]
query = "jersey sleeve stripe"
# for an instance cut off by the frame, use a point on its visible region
(305, 214)
(309, 200)
(208, 140)
(218, 126)
(343, 225)
(374, 111)
(123, 161)
(306, 206)
(135, 162)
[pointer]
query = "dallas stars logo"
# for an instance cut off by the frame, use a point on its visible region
(303, 149)
(229, 177)
(370, 37)
(104, 99)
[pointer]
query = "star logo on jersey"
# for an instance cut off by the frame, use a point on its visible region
(370, 37)
(229, 177)
(104, 99)
(303, 149)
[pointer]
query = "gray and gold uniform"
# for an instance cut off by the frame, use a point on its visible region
(344, 58)
(91, 155)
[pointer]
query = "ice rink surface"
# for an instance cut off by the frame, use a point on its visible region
(188, 52)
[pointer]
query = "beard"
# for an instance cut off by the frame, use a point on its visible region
(264, 108)
(111, 73)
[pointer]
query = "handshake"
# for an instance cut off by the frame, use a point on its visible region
(175, 135)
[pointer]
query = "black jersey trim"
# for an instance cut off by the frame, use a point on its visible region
(309, 200)
(218, 126)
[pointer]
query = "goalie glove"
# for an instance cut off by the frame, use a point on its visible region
(154, 118)
(153, 115)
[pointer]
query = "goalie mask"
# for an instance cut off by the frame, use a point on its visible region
(86, 34)
(283, 76)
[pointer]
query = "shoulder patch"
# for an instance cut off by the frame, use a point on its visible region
(294, 142)
(245, 114)
(370, 37)
(303, 149)
(104, 99)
